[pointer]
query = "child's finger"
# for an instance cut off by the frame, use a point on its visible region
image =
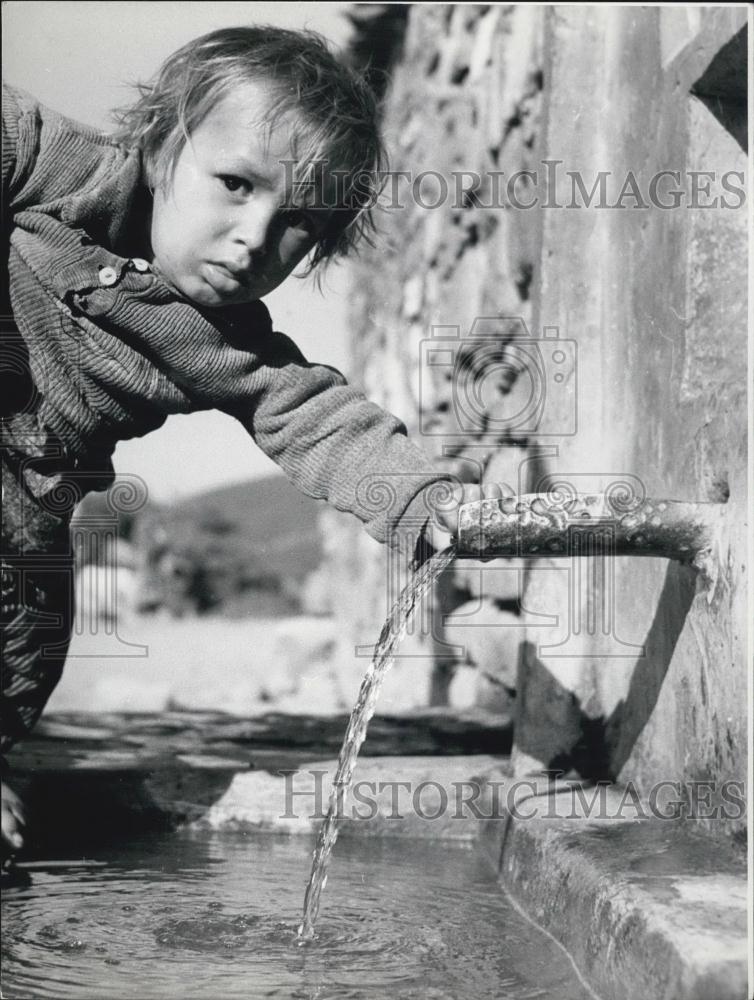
(492, 491)
(18, 812)
(14, 805)
(11, 831)
(13, 818)
(468, 493)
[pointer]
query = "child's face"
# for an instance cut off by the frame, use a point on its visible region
(223, 231)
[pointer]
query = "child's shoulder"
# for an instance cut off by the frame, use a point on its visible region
(17, 101)
(18, 106)
(47, 155)
(21, 106)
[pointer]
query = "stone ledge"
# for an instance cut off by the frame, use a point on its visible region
(645, 907)
(91, 778)
(417, 797)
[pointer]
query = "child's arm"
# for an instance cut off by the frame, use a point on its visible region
(336, 445)
(47, 156)
(20, 140)
(12, 114)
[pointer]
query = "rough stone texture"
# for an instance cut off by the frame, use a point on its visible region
(645, 907)
(631, 669)
(465, 98)
(130, 772)
(391, 797)
(654, 299)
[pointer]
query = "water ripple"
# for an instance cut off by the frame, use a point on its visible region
(182, 916)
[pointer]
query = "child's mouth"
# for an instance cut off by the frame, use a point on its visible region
(223, 280)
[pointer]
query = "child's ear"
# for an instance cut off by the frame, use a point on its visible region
(151, 171)
(147, 172)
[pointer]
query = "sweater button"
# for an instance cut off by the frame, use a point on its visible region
(107, 276)
(140, 264)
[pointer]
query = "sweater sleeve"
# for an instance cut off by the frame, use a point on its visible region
(10, 140)
(20, 141)
(336, 445)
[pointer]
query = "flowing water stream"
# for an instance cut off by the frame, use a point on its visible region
(390, 638)
(195, 915)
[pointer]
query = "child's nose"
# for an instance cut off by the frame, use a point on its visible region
(254, 229)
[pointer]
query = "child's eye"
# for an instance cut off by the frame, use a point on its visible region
(297, 219)
(234, 184)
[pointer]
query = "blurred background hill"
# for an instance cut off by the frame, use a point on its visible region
(244, 549)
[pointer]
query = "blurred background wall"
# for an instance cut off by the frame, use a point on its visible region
(638, 274)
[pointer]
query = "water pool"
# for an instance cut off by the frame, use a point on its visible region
(199, 915)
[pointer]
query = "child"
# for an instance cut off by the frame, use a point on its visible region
(136, 268)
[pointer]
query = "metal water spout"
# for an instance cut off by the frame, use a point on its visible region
(568, 524)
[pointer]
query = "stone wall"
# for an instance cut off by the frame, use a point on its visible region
(465, 99)
(646, 300)
(654, 297)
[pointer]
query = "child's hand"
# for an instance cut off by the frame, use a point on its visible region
(13, 821)
(446, 516)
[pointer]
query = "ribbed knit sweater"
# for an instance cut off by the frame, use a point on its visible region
(112, 349)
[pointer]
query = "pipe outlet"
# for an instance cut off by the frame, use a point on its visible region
(552, 524)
